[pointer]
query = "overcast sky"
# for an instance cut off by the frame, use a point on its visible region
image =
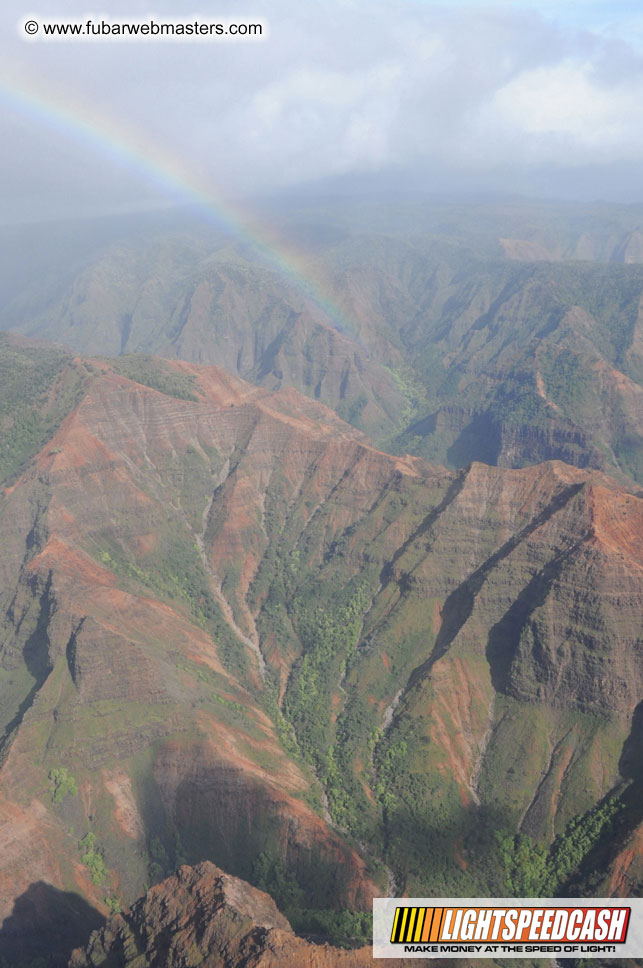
(536, 98)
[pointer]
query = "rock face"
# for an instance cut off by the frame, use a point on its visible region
(202, 916)
(234, 630)
(175, 297)
(501, 346)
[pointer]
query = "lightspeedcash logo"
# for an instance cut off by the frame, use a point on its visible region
(510, 928)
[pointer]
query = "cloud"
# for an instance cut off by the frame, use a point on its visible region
(343, 87)
(566, 99)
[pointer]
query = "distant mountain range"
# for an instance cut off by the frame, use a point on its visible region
(502, 333)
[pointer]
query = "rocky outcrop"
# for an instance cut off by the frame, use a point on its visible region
(202, 916)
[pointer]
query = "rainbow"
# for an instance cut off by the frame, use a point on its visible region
(171, 174)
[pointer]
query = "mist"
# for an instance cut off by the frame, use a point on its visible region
(342, 96)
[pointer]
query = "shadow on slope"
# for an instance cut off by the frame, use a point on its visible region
(35, 654)
(44, 926)
(458, 606)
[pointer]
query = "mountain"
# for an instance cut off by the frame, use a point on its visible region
(120, 663)
(192, 295)
(234, 630)
(506, 333)
(203, 916)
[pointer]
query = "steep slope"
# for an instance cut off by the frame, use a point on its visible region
(129, 686)
(234, 630)
(196, 297)
(529, 363)
(501, 362)
(201, 915)
(39, 385)
(504, 333)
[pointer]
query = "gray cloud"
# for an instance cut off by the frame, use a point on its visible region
(460, 93)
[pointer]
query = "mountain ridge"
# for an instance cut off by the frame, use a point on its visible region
(416, 627)
(438, 344)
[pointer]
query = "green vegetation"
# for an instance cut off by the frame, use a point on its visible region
(413, 390)
(347, 801)
(533, 871)
(112, 903)
(434, 840)
(38, 388)
(567, 379)
(165, 858)
(351, 411)
(156, 374)
(270, 874)
(391, 762)
(175, 573)
(518, 402)
(330, 638)
(610, 294)
(64, 785)
(630, 457)
(93, 857)
(345, 928)
(284, 729)
(159, 866)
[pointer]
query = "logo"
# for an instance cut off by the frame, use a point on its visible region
(543, 925)
(507, 928)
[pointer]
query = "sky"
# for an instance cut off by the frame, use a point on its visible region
(542, 98)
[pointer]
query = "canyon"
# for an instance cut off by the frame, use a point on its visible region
(234, 630)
